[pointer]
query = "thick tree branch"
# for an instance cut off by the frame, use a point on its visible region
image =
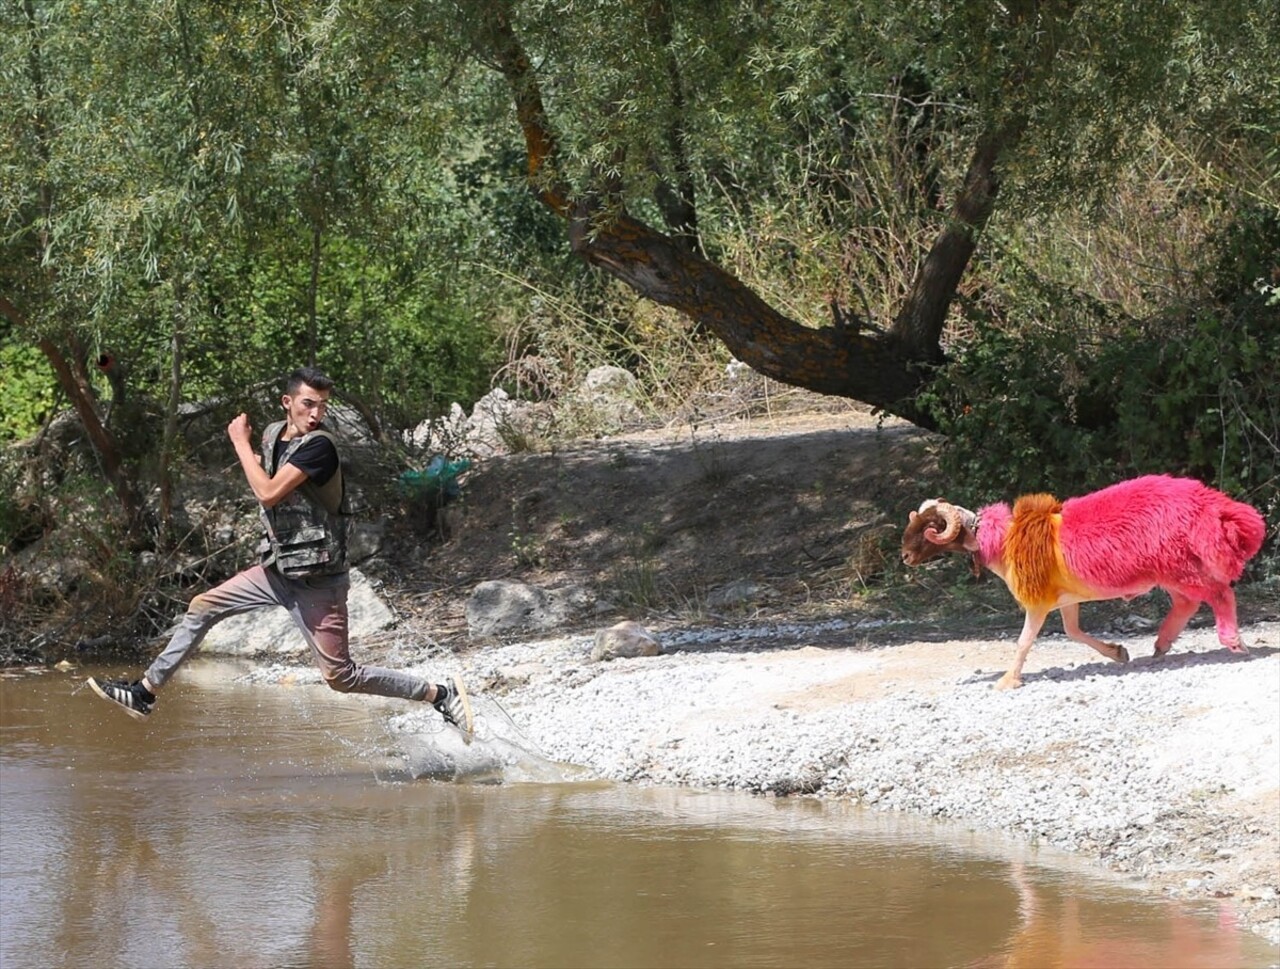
(540, 146)
(919, 324)
(876, 369)
(827, 360)
(10, 312)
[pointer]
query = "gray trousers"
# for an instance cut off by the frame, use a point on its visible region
(319, 609)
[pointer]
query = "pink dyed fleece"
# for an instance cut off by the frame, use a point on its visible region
(1149, 531)
(993, 526)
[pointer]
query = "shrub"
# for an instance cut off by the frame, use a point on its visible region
(1079, 401)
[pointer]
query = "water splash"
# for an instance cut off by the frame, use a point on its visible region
(499, 752)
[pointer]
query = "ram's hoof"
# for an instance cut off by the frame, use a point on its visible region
(1122, 654)
(1008, 682)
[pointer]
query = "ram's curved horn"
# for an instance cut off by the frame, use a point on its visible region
(954, 519)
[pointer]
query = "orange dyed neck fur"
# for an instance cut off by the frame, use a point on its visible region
(1035, 570)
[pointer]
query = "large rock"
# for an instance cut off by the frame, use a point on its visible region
(348, 424)
(494, 418)
(607, 399)
(365, 540)
(271, 629)
(740, 592)
(501, 606)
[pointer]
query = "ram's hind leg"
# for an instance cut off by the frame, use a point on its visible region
(1071, 626)
(1223, 602)
(1183, 608)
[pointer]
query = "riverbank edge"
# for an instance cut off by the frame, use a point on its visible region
(788, 711)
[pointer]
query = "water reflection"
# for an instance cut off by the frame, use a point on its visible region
(330, 942)
(244, 827)
(1064, 931)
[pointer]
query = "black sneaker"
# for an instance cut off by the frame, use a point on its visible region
(133, 698)
(455, 706)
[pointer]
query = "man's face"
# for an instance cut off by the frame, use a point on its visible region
(305, 409)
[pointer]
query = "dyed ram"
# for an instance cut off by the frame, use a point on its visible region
(1120, 542)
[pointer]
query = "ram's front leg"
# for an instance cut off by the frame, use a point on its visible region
(1030, 630)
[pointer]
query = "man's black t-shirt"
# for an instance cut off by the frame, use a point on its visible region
(318, 458)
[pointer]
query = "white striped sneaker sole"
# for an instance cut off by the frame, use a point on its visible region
(468, 723)
(136, 714)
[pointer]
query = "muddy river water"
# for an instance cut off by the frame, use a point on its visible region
(247, 826)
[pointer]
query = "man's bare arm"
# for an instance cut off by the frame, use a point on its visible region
(270, 491)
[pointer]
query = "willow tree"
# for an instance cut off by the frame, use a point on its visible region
(40, 181)
(629, 109)
(140, 135)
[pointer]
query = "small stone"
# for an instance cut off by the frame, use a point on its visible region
(627, 639)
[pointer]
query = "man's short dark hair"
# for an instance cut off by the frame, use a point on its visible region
(311, 376)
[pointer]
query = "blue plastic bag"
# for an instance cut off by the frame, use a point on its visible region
(437, 481)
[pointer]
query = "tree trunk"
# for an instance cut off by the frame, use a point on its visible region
(171, 418)
(70, 373)
(313, 291)
(77, 389)
(676, 197)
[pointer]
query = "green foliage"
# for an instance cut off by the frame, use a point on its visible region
(172, 170)
(1191, 391)
(406, 342)
(26, 390)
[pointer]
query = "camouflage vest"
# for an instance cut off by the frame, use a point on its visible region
(307, 529)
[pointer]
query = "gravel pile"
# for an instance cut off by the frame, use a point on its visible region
(1165, 769)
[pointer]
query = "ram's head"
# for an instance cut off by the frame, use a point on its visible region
(937, 527)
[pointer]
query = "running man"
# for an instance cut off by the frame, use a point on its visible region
(297, 480)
